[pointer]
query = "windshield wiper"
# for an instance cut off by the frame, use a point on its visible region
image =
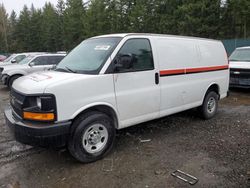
(67, 69)
(70, 70)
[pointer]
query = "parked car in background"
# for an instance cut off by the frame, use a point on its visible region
(239, 63)
(2, 58)
(16, 58)
(32, 63)
(115, 81)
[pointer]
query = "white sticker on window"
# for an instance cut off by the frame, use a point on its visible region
(102, 47)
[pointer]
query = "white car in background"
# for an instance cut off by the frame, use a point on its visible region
(14, 58)
(240, 68)
(32, 63)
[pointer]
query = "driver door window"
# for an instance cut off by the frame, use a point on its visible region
(141, 52)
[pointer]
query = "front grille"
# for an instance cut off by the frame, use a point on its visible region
(240, 76)
(17, 101)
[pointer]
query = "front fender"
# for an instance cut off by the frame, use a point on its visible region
(15, 72)
(82, 109)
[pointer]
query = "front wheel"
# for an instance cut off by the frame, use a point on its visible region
(92, 138)
(210, 105)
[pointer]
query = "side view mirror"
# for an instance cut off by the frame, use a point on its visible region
(125, 61)
(31, 64)
(13, 61)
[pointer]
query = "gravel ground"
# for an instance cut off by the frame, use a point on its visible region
(216, 151)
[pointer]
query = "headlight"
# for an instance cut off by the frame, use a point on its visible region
(40, 108)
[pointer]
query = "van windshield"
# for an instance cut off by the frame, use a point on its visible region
(240, 55)
(89, 56)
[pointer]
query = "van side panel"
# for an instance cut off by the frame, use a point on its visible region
(212, 68)
(188, 67)
(174, 54)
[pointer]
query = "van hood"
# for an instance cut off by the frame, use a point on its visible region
(36, 83)
(239, 64)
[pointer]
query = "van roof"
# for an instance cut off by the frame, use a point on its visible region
(151, 34)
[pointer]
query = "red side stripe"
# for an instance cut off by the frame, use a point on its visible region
(204, 69)
(170, 72)
(192, 70)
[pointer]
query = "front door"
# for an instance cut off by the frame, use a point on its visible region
(137, 89)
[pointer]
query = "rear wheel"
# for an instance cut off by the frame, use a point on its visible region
(210, 105)
(12, 79)
(92, 137)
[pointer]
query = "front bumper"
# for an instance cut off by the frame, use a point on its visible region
(239, 83)
(239, 78)
(38, 134)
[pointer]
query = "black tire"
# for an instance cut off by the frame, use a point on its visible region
(80, 128)
(12, 79)
(206, 111)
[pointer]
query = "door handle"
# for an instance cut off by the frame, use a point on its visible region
(157, 78)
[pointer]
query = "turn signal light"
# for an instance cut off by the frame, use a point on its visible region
(39, 116)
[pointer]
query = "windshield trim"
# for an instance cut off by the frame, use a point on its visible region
(97, 71)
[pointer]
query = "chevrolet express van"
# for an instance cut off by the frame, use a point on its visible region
(115, 81)
(240, 68)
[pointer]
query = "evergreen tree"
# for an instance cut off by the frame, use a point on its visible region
(3, 29)
(96, 19)
(12, 37)
(60, 25)
(74, 17)
(199, 18)
(36, 30)
(23, 30)
(50, 34)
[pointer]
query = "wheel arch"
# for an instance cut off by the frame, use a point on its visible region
(213, 87)
(105, 108)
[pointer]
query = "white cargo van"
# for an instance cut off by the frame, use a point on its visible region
(114, 81)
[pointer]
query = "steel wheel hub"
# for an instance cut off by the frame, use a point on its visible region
(95, 138)
(211, 105)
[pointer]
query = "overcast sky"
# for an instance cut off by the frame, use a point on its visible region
(17, 5)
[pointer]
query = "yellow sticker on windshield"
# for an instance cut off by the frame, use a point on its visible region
(102, 47)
